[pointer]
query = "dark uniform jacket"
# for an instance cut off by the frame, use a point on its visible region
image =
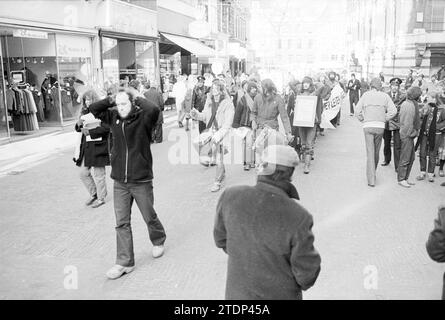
(131, 159)
(267, 236)
(436, 242)
(393, 124)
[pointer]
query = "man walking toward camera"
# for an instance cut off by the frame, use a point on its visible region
(131, 169)
(267, 234)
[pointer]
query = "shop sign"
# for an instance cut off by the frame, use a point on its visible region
(24, 33)
(73, 46)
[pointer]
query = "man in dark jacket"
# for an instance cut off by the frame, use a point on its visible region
(155, 96)
(93, 157)
(199, 97)
(131, 169)
(354, 92)
(435, 245)
(409, 120)
(267, 234)
(392, 127)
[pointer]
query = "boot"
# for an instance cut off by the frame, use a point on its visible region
(307, 163)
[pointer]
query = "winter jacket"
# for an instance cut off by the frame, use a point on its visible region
(409, 120)
(224, 116)
(266, 110)
(199, 98)
(435, 245)
(354, 88)
(94, 153)
(267, 236)
(155, 97)
(242, 114)
(375, 108)
(131, 158)
(393, 124)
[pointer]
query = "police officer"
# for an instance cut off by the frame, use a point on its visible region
(392, 126)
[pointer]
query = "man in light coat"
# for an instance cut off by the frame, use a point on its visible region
(374, 109)
(218, 115)
(266, 234)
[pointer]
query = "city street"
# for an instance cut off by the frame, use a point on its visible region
(45, 229)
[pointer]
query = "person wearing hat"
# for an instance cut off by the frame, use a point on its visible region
(266, 233)
(242, 118)
(392, 126)
(373, 110)
(409, 130)
(354, 92)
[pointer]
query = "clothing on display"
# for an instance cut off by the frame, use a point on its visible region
(22, 108)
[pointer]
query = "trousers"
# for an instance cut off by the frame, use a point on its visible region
(407, 157)
(94, 181)
(373, 141)
(387, 136)
(124, 195)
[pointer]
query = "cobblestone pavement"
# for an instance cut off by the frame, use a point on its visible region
(45, 228)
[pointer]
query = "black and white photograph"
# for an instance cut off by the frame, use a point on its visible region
(221, 150)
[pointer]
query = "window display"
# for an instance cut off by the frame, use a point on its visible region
(43, 79)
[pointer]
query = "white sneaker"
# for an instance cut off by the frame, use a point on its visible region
(404, 184)
(118, 271)
(157, 251)
(215, 187)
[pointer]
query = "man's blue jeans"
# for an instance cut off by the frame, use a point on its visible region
(124, 194)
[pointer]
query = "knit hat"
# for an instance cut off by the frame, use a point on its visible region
(376, 83)
(278, 155)
(308, 80)
(251, 85)
(414, 93)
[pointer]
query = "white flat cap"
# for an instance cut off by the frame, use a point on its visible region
(278, 155)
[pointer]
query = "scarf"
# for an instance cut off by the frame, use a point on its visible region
(286, 186)
(249, 101)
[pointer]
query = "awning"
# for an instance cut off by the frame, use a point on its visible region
(193, 46)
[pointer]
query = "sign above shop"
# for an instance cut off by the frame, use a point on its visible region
(24, 33)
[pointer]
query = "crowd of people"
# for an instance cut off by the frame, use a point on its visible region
(407, 117)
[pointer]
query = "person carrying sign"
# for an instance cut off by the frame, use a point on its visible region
(307, 134)
(218, 114)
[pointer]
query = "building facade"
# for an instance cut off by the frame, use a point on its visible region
(291, 39)
(394, 36)
(49, 60)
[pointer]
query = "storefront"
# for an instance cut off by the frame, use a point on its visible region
(43, 74)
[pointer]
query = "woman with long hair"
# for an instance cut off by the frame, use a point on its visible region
(218, 115)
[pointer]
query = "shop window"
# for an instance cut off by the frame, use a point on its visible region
(75, 73)
(30, 74)
(145, 61)
(127, 60)
(110, 60)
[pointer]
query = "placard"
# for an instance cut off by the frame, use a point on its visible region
(304, 111)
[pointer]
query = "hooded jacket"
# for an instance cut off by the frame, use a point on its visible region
(435, 245)
(131, 158)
